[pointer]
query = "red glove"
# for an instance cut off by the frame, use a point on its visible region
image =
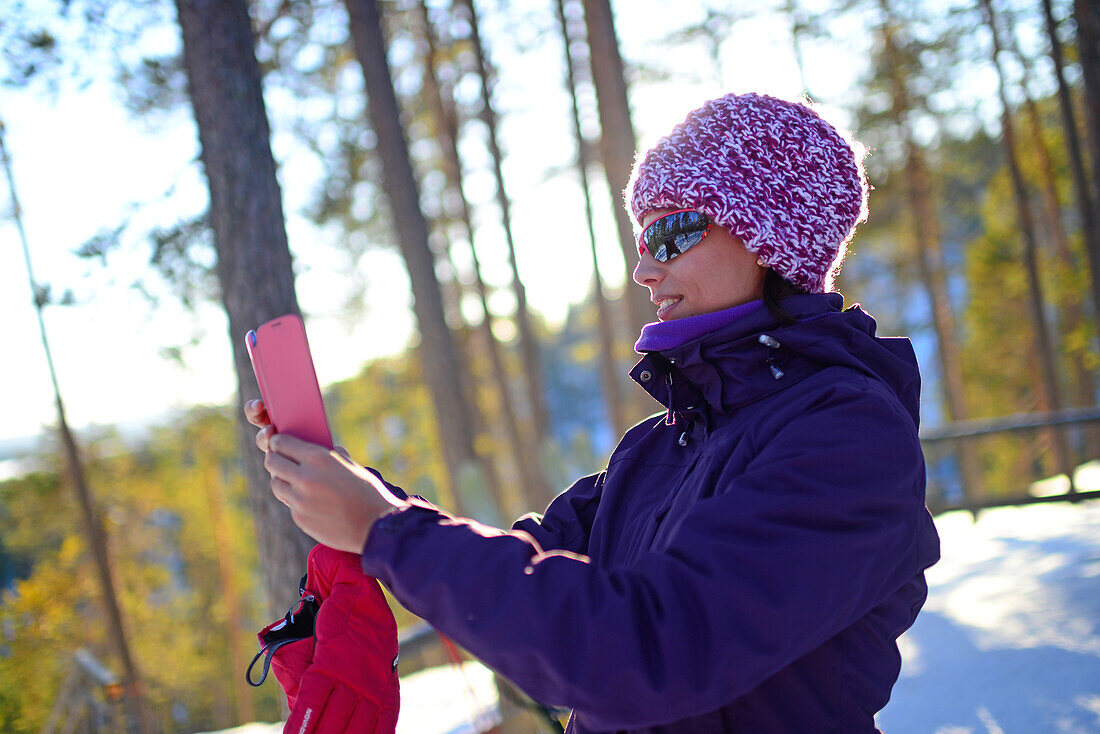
(287, 645)
(351, 683)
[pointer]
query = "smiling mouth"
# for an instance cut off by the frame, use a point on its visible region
(665, 304)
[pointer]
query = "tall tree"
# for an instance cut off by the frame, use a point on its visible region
(524, 452)
(609, 375)
(927, 241)
(1090, 222)
(401, 24)
(94, 533)
(1087, 14)
(438, 353)
(1049, 391)
(246, 214)
(528, 340)
(617, 139)
(1071, 301)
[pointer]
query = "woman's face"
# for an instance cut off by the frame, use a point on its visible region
(716, 274)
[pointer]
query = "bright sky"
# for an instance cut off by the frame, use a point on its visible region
(80, 162)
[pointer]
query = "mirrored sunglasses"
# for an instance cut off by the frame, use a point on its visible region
(673, 234)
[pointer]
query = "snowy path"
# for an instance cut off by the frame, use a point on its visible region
(1009, 641)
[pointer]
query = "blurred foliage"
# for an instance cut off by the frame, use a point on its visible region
(384, 417)
(160, 502)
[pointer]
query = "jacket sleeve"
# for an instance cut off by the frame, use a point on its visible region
(567, 522)
(820, 528)
(564, 526)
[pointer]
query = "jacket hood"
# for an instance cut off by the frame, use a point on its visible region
(756, 356)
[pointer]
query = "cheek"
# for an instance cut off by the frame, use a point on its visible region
(727, 281)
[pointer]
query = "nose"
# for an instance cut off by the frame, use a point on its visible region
(648, 271)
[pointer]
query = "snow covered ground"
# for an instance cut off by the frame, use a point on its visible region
(1008, 643)
(449, 700)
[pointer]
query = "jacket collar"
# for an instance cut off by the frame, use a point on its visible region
(744, 361)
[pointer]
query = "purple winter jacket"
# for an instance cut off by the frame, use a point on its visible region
(745, 563)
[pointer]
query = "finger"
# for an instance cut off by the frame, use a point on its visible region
(342, 452)
(256, 413)
(294, 448)
(282, 490)
(263, 437)
(281, 467)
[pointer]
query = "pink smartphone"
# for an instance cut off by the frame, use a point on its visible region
(288, 383)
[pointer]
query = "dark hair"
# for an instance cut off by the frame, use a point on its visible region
(776, 288)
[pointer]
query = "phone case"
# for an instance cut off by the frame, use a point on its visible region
(288, 382)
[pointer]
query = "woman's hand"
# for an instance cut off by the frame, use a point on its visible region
(332, 499)
(256, 414)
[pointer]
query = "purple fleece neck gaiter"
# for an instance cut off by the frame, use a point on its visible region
(662, 335)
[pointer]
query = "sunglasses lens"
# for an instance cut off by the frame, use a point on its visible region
(674, 234)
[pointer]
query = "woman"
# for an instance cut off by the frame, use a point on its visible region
(749, 557)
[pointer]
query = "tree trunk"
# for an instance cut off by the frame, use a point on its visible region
(1087, 13)
(1049, 391)
(530, 350)
(254, 268)
(95, 535)
(929, 255)
(1072, 311)
(1090, 223)
(495, 511)
(524, 453)
(609, 375)
(930, 263)
(437, 352)
(617, 140)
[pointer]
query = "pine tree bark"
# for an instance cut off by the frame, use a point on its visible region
(928, 249)
(254, 264)
(1048, 389)
(491, 508)
(523, 445)
(1087, 14)
(617, 147)
(1090, 223)
(438, 354)
(530, 351)
(617, 140)
(609, 375)
(1072, 311)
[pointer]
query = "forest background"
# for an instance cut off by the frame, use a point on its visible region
(436, 186)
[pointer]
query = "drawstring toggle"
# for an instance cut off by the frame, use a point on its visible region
(772, 344)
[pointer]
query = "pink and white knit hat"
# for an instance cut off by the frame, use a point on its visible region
(772, 172)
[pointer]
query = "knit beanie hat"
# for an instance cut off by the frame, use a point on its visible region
(772, 172)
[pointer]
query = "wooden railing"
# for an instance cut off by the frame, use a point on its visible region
(1020, 423)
